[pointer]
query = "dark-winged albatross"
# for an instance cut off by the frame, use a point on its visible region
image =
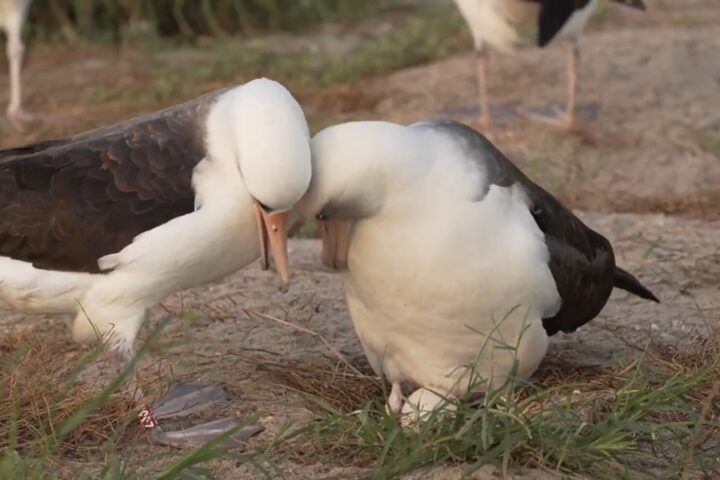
(500, 23)
(12, 18)
(108, 223)
(455, 259)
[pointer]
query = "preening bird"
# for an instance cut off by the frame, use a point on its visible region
(458, 264)
(501, 23)
(108, 223)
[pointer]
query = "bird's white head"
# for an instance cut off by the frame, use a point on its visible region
(356, 165)
(261, 129)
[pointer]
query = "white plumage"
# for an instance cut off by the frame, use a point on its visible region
(421, 251)
(497, 22)
(459, 266)
(241, 157)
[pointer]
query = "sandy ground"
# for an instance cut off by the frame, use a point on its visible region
(642, 173)
(230, 332)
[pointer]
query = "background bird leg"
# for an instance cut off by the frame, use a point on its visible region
(481, 59)
(15, 50)
(573, 54)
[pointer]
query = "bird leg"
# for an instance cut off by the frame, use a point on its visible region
(556, 116)
(395, 400)
(15, 48)
(573, 54)
(481, 60)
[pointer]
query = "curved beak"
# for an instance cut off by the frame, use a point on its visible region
(335, 236)
(272, 232)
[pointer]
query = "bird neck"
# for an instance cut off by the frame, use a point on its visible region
(357, 166)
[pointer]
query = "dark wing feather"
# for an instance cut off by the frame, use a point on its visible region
(581, 261)
(66, 203)
(553, 15)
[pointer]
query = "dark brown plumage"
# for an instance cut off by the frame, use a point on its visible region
(65, 203)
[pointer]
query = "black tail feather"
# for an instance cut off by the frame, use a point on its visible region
(629, 283)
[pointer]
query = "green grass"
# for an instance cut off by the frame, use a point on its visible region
(655, 418)
(431, 33)
(120, 21)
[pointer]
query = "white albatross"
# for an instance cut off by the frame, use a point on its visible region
(458, 264)
(108, 223)
(12, 18)
(500, 23)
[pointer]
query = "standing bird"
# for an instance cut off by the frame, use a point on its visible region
(459, 265)
(500, 24)
(108, 223)
(12, 18)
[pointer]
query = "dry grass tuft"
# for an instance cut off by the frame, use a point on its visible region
(328, 382)
(658, 413)
(39, 391)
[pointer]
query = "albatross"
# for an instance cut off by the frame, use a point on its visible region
(500, 23)
(12, 18)
(458, 264)
(106, 224)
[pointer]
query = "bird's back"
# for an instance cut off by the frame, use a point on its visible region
(65, 203)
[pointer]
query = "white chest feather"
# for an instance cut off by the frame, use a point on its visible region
(449, 284)
(218, 238)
